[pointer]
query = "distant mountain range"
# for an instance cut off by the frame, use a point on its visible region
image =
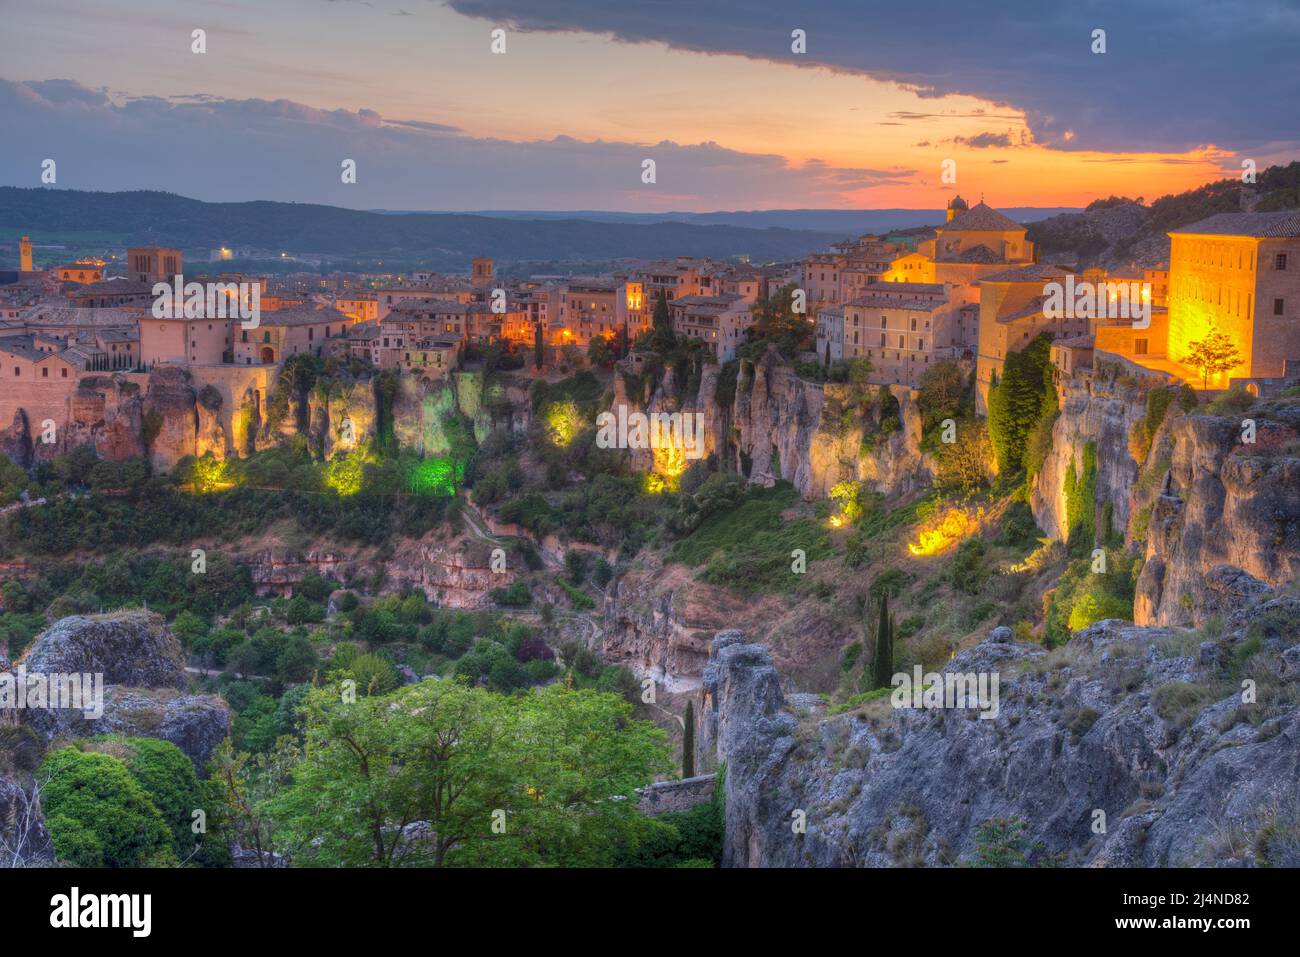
(843, 222)
(82, 221)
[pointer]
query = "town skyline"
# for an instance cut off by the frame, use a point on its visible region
(564, 114)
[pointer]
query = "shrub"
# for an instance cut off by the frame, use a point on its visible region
(98, 815)
(1001, 842)
(1179, 702)
(968, 571)
(168, 777)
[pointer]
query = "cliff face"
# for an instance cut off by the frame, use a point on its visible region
(105, 413)
(169, 408)
(791, 429)
(1130, 748)
(1227, 507)
(1214, 514)
(658, 623)
(452, 574)
(1105, 416)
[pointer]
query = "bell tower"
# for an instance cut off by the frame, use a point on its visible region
(25, 254)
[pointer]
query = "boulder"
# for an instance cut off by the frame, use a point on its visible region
(127, 647)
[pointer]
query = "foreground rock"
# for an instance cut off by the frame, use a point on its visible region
(127, 647)
(145, 686)
(1130, 747)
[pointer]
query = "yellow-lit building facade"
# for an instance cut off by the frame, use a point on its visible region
(1238, 274)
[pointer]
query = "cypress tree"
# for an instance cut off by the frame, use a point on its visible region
(537, 347)
(884, 663)
(663, 338)
(688, 742)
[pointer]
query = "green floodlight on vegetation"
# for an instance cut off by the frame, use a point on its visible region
(437, 476)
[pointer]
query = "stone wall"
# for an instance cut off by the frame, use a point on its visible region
(664, 797)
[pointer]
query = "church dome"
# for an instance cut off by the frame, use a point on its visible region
(957, 203)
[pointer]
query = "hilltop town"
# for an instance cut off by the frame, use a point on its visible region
(972, 290)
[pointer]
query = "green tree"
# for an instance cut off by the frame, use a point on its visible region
(688, 741)
(883, 670)
(538, 348)
(1081, 500)
(1018, 400)
(1212, 355)
(600, 352)
(662, 338)
(246, 786)
(188, 628)
(775, 321)
(942, 393)
(545, 777)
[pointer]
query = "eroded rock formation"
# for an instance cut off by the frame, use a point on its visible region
(1136, 724)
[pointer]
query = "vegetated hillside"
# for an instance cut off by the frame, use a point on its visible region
(1118, 230)
(440, 240)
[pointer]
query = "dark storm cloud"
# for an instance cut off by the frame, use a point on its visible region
(1177, 73)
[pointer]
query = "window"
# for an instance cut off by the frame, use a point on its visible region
(1279, 307)
(1139, 347)
(1279, 262)
(45, 372)
(65, 373)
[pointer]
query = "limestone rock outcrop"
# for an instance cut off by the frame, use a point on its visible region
(170, 420)
(1224, 503)
(145, 690)
(1132, 723)
(790, 429)
(1104, 416)
(128, 648)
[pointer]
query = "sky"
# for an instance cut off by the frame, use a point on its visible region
(1008, 95)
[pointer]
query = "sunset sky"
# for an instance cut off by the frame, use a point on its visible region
(585, 91)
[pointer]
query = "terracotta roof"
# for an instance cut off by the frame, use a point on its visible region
(1033, 308)
(441, 307)
(1283, 223)
(1076, 342)
(980, 254)
(301, 316)
(893, 288)
(61, 315)
(898, 302)
(115, 286)
(1034, 273)
(979, 217)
